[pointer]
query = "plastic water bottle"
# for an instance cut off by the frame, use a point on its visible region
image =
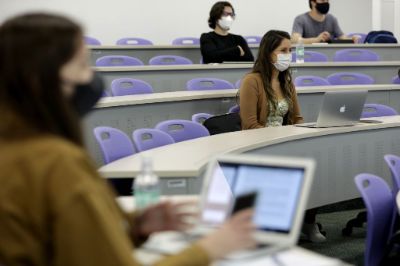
(300, 51)
(146, 185)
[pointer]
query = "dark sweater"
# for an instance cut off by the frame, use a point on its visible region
(217, 48)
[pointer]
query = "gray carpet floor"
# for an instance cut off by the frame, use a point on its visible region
(349, 248)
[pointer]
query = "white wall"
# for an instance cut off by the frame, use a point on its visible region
(163, 20)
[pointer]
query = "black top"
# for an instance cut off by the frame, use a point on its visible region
(216, 48)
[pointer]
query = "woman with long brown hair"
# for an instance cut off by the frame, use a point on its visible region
(54, 207)
(268, 99)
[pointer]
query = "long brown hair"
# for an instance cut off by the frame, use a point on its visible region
(264, 67)
(33, 48)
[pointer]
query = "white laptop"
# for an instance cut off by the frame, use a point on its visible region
(340, 108)
(282, 185)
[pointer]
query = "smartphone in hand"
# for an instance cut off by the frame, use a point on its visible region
(245, 201)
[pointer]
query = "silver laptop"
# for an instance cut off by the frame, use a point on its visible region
(282, 184)
(340, 108)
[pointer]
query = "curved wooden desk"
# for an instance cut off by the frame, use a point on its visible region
(340, 153)
(138, 111)
(169, 78)
(387, 52)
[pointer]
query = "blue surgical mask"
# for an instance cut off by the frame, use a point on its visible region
(283, 61)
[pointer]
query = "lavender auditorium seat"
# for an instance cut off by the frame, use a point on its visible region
(198, 84)
(91, 41)
(311, 56)
(150, 138)
(234, 109)
(355, 55)
(396, 80)
(253, 39)
(379, 201)
(349, 78)
(376, 110)
(170, 60)
(186, 41)
(181, 130)
(361, 35)
(114, 143)
(130, 86)
(134, 41)
(118, 60)
(201, 117)
(305, 81)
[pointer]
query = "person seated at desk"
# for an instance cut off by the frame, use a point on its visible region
(317, 25)
(55, 209)
(267, 98)
(219, 45)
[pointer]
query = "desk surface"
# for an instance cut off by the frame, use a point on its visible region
(241, 66)
(182, 95)
(154, 47)
(173, 160)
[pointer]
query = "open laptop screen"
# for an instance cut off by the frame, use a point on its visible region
(278, 190)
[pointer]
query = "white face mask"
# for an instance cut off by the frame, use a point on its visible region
(226, 22)
(283, 62)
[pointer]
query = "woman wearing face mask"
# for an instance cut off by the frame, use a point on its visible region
(219, 45)
(268, 98)
(317, 25)
(54, 207)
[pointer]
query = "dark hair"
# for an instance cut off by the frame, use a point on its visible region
(263, 66)
(309, 3)
(216, 12)
(33, 48)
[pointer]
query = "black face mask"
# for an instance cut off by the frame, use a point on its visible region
(323, 8)
(87, 95)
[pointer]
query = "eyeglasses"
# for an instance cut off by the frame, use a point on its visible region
(225, 14)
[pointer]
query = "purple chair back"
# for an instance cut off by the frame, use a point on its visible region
(150, 138)
(349, 78)
(253, 39)
(201, 117)
(181, 130)
(305, 81)
(355, 55)
(199, 84)
(91, 41)
(129, 86)
(186, 41)
(396, 80)
(170, 60)
(311, 56)
(238, 84)
(362, 35)
(114, 143)
(134, 41)
(393, 162)
(234, 109)
(378, 199)
(118, 60)
(375, 110)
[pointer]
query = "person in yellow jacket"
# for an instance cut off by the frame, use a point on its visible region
(54, 207)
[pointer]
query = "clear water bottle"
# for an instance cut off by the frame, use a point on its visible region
(300, 51)
(146, 185)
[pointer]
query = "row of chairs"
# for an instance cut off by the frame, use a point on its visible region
(342, 78)
(381, 211)
(115, 144)
(130, 86)
(344, 55)
(177, 41)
